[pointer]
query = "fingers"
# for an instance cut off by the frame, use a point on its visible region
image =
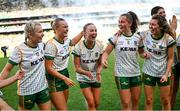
(99, 77)
(20, 74)
(174, 19)
(163, 79)
(105, 64)
(146, 55)
(90, 75)
(173, 22)
(118, 33)
(69, 82)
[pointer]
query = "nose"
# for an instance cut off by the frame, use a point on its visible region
(150, 26)
(42, 34)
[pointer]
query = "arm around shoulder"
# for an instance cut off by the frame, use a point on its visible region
(76, 39)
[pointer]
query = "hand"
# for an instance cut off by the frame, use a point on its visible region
(118, 33)
(98, 77)
(163, 79)
(104, 63)
(145, 55)
(19, 74)
(69, 82)
(89, 74)
(173, 23)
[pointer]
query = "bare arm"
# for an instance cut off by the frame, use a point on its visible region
(173, 25)
(79, 69)
(178, 53)
(77, 38)
(169, 64)
(170, 59)
(52, 71)
(19, 75)
(99, 68)
(5, 72)
(105, 55)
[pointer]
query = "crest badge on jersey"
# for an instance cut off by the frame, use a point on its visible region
(96, 54)
(135, 43)
(128, 42)
(83, 55)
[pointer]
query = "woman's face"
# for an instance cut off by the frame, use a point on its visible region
(124, 24)
(37, 35)
(62, 29)
(154, 27)
(161, 12)
(90, 32)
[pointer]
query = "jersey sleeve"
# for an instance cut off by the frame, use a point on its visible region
(140, 40)
(50, 51)
(112, 40)
(178, 42)
(76, 51)
(143, 34)
(170, 42)
(15, 57)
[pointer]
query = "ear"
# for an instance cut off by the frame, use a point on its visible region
(85, 34)
(29, 35)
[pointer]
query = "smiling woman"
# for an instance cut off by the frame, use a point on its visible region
(87, 61)
(159, 44)
(56, 62)
(29, 55)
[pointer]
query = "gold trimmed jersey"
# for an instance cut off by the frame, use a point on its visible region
(156, 65)
(31, 61)
(126, 54)
(88, 59)
(58, 52)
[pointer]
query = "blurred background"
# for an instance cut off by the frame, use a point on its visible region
(103, 13)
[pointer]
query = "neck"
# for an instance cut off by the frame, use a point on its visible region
(157, 36)
(31, 44)
(60, 39)
(89, 43)
(127, 33)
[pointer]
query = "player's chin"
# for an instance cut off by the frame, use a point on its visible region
(39, 41)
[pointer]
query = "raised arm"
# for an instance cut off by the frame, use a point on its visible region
(76, 39)
(178, 53)
(173, 25)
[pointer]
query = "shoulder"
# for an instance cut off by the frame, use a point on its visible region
(80, 43)
(67, 40)
(136, 35)
(50, 41)
(99, 43)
